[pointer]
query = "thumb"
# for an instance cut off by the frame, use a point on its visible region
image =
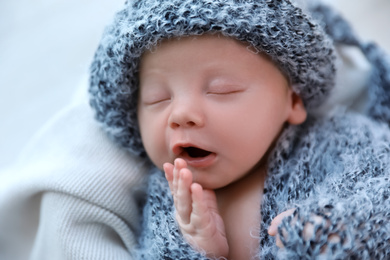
(273, 229)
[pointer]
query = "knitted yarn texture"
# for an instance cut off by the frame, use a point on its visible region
(335, 167)
(291, 38)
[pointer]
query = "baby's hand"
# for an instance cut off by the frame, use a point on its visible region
(308, 229)
(273, 229)
(196, 211)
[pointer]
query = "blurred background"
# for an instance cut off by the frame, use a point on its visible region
(46, 47)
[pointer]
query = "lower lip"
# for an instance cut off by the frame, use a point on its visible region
(201, 162)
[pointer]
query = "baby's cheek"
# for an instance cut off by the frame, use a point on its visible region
(156, 149)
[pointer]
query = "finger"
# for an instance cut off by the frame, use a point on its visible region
(183, 196)
(175, 182)
(168, 170)
(334, 238)
(308, 231)
(199, 216)
(279, 242)
(273, 229)
(178, 165)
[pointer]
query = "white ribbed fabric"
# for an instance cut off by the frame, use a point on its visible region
(73, 194)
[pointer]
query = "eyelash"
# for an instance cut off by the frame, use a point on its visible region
(225, 93)
(157, 101)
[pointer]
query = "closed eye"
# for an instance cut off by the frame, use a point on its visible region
(224, 92)
(157, 101)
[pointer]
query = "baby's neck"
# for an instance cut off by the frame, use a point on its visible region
(253, 180)
(239, 206)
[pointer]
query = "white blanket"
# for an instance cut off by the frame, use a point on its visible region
(73, 194)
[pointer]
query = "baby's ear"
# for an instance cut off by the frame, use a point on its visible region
(298, 111)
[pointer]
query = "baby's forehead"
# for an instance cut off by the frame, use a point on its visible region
(215, 47)
(205, 63)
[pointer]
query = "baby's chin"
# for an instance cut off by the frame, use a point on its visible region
(208, 183)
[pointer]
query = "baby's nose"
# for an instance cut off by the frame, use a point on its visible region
(186, 114)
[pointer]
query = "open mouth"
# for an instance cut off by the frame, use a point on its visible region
(194, 156)
(195, 152)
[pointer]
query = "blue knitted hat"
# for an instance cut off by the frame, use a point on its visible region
(291, 38)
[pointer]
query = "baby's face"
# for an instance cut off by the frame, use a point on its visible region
(214, 103)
